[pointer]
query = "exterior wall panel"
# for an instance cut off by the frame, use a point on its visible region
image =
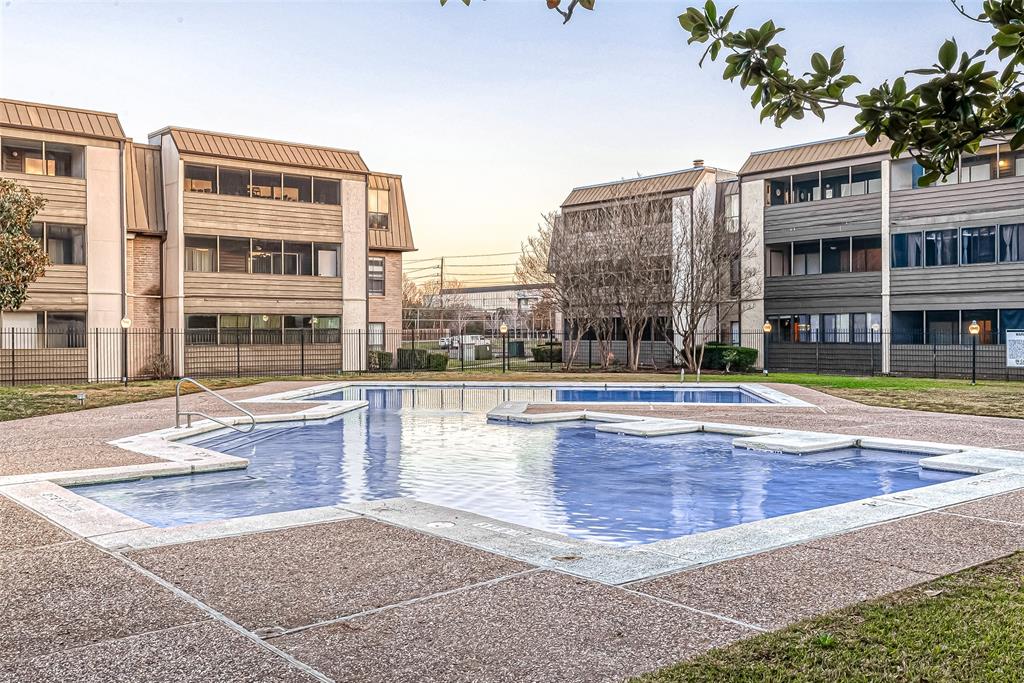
(956, 204)
(65, 197)
(244, 293)
(861, 215)
(262, 218)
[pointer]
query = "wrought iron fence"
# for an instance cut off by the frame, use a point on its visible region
(71, 357)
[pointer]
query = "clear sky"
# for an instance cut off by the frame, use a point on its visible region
(492, 113)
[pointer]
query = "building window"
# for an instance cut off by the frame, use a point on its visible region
(234, 254)
(233, 182)
(65, 330)
(978, 245)
(298, 258)
(907, 250)
(200, 254)
(835, 256)
(942, 326)
(375, 275)
(201, 329)
(266, 185)
(200, 178)
(266, 329)
(778, 260)
(64, 244)
(326, 191)
(375, 335)
(867, 254)
(1010, 319)
(866, 179)
(265, 257)
(1018, 165)
(807, 187)
(778, 192)
(297, 327)
(835, 328)
(975, 169)
(378, 208)
(908, 327)
(835, 183)
(298, 188)
(987, 319)
(1011, 242)
(327, 330)
(806, 258)
(34, 157)
(328, 260)
(941, 247)
(732, 212)
(235, 328)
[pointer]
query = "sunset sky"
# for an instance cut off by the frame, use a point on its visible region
(492, 113)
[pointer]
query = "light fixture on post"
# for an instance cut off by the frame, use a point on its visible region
(126, 322)
(975, 329)
(767, 327)
(875, 328)
(504, 346)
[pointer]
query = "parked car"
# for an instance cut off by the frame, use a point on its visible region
(444, 342)
(470, 340)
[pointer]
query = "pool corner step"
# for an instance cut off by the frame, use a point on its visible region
(650, 427)
(795, 443)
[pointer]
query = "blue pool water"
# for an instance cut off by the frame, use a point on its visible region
(435, 445)
(595, 394)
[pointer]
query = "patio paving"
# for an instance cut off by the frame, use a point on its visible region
(541, 626)
(934, 542)
(207, 652)
(1005, 508)
(21, 529)
(320, 572)
(73, 595)
(777, 588)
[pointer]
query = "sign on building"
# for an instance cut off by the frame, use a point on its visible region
(1015, 348)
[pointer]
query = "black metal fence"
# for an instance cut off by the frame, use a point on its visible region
(30, 357)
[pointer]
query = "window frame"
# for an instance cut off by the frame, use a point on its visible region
(371, 276)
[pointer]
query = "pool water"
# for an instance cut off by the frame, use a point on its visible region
(568, 478)
(595, 394)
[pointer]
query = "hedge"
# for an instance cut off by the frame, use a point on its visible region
(547, 353)
(413, 359)
(379, 360)
(716, 354)
(437, 361)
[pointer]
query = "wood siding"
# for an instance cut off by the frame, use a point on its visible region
(145, 190)
(956, 204)
(61, 289)
(830, 293)
(398, 236)
(827, 218)
(995, 285)
(65, 197)
(244, 293)
(210, 214)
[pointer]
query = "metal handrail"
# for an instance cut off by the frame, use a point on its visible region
(178, 412)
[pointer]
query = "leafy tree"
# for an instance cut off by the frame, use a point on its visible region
(935, 113)
(22, 259)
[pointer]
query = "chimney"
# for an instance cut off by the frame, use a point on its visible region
(698, 163)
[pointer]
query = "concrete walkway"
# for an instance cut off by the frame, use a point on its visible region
(362, 600)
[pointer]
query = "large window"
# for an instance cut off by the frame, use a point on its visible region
(908, 327)
(266, 185)
(865, 179)
(298, 258)
(378, 208)
(375, 275)
(907, 250)
(978, 245)
(978, 168)
(326, 191)
(831, 184)
(265, 257)
(835, 328)
(298, 188)
(201, 329)
(235, 329)
(1011, 242)
(65, 330)
(941, 247)
(234, 182)
(807, 187)
(200, 178)
(988, 324)
(200, 254)
(806, 258)
(778, 263)
(835, 183)
(64, 244)
(867, 254)
(35, 157)
(375, 335)
(835, 256)
(266, 329)
(234, 254)
(327, 260)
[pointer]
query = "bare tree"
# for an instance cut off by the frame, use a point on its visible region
(712, 264)
(532, 267)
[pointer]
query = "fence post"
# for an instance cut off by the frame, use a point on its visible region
(14, 355)
(238, 355)
(551, 345)
(590, 354)
(414, 350)
(462, 354)
(817, 355)
(935, 359)
(302, 351)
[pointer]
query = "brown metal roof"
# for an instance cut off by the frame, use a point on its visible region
(811, 153)
(47, 117)
(144, 187)
(678, 181)
(270, 151)
(398, 236)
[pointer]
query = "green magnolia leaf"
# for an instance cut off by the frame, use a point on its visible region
(818, 63)
(711, 11)
(587, 4)
(947, 54)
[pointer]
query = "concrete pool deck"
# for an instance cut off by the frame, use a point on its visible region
(362, 599)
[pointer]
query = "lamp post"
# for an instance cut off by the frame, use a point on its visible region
(767, 327)
(125, 324)
(975, 330)
(504, 346)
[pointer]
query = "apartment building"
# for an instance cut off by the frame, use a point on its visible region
(857, 251)
(679, 195)
(225, 239)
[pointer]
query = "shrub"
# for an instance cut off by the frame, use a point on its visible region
(437, 361)
(738, 358)
(159, 366)
(484, 352)
(413, 359)
(379, 360)
(547, 353)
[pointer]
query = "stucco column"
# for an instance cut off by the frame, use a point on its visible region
(752, 263)
(174, 253)
(103, 254)
(353, 274)
(886, 268)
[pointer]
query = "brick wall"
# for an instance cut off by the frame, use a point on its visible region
(144, 254)
(387, 309)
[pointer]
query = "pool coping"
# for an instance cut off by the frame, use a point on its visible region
(996, 471)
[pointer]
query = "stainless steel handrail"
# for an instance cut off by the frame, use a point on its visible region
(178, 412)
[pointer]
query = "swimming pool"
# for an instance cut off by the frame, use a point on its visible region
(435, 446)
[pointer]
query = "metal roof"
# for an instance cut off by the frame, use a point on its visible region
(203, 142)
(398, 236)
(47, 117)
(812, 153)
(676, 181)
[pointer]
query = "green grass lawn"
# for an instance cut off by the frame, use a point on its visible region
(967, 626)
(1005, 399)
